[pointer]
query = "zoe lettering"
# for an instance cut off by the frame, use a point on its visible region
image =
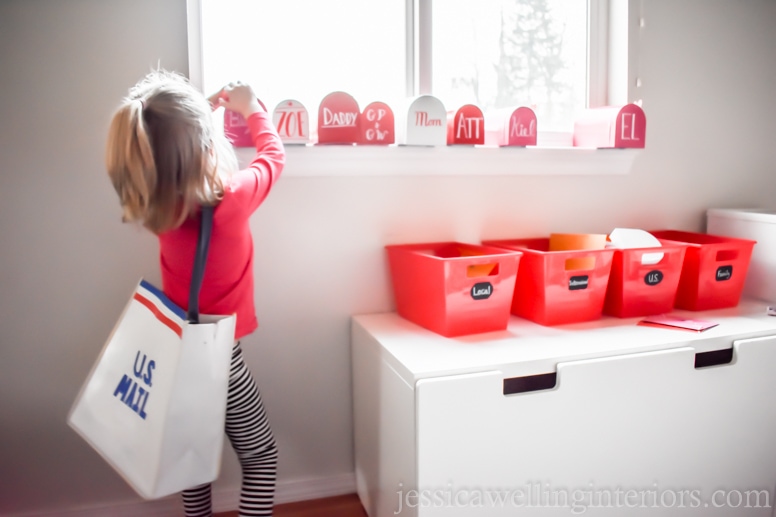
(134, 390)
(291, 124)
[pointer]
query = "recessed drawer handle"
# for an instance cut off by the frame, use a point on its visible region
(713, 358)
(542, 381)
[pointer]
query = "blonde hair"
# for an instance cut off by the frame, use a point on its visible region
(164, 155)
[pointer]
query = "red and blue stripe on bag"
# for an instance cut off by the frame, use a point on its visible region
(134, 390)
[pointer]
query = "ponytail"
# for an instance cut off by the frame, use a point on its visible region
(130, 161)
(162, 156)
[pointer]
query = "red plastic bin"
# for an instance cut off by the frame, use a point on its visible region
(558, 287)
(453, 288)
(643, 284)
(713, 271)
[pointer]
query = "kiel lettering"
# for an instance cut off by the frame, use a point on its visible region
(129, 389)
(482, 290)
(520, 129)
(577, 283)
(339, 118)
(724, 273)
(422, 120)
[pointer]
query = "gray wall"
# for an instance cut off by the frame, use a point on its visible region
(68, 264)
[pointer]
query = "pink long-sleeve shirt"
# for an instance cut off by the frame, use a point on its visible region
(227, 287)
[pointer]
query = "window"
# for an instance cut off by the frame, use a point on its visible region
(305, 49)
(557, 56)
(491, 53)
(509, 53)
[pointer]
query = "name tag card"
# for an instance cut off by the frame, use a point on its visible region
(511, 127)
(292, 122)
(338, 119)
(611, 127)
(423, 123)
(377, 125)
(466, 126)
(236, 128)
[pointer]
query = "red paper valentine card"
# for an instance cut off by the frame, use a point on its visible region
(667, 320)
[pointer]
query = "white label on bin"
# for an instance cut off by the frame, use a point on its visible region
(481, 290)
(653, 277)
(578, 282)
(724, 273)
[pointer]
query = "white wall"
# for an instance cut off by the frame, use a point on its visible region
(68, 264)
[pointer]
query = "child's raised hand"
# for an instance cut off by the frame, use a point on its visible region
(237, 96)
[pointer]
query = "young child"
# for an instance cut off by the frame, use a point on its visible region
(166, 159)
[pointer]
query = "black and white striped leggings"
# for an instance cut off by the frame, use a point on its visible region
(251, 437)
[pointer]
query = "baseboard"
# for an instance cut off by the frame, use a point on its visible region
(224, 500)
(293, 490)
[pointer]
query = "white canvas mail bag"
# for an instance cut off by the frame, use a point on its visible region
(154, 403)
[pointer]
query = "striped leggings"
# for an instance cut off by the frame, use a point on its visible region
(251, 437)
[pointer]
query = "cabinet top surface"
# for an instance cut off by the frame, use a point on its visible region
(526, 348)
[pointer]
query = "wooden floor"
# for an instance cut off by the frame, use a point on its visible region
(339, 506)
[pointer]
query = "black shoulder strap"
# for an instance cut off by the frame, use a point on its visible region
(200, 258)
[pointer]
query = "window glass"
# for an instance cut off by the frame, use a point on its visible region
(491, 53)
(306, 49)
(509, 53)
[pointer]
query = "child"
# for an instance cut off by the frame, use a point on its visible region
(166, 159)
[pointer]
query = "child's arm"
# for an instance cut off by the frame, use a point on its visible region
(257, 179)
(270, 154)
(237, 97)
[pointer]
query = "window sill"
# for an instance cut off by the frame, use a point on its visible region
(355, 160)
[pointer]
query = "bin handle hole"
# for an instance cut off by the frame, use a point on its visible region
(542, 381)
(476, 270)
(713, 358)
(574, 264)
(727, 255)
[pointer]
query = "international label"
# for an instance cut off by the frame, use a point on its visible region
(577, 283)
(482, 290)
(653, 277)
(724, 273)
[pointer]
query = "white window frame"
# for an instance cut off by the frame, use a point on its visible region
(613, 79)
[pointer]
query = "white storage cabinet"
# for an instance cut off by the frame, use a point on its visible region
(605, 418)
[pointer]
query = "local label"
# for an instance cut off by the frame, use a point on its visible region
(481, 290)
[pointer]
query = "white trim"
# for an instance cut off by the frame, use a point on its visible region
(626, 24)
(636, 27)
(364, 161)
(424, 53)
(411, 51)
(224, 500)
(315, 488)
(194, 34)
(598, 40)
